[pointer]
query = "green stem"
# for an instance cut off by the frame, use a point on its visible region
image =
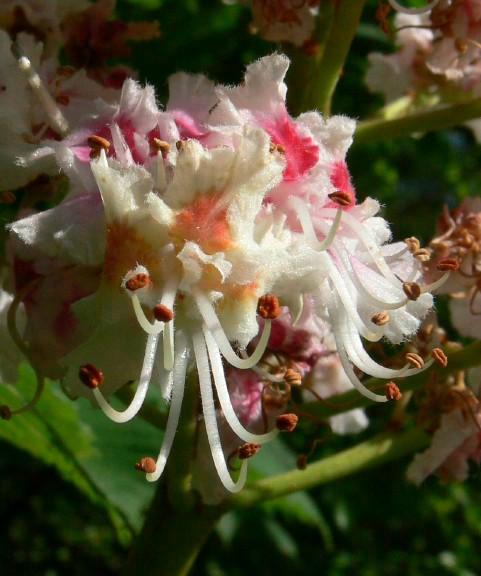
(176, 528)
(315, 78)
(374, 452)
(419, 122)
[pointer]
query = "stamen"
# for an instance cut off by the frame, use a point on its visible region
(405, 10)
(307, 227)
(137, 282)
(224, 398)
(160, 146)
(413, 244)
(97, 144)
(180, 145)
(393, 392)
(155, 328)
(162, 313)
(292, 377)
(341, 198)
(177, 377)
(91, 376)
(56, 119)
(439, 357)
(422, 254)
(120, 417)
(287, 422)
(412, 290)
(268, 307)
(414, 360)
(212, 322)
(448, 265)
(146, 464)
(247, 451)
(210, 419)
(380, 319)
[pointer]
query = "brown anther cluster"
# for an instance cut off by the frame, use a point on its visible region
(380, 319)
(422, 254)
(5, 412)
(341, 198)
(162, 313)
(292, 377)
(137, 282)
(415, 360)
(287, 422)
(91, 376)
(393, 392)
(460, 234)
(413, 244)
(96, 144)
(448, 264)
(160, 146)
(412, 290)
(268, 307)
(277, 148)
(146, 465)
(247, 451)
(180, 145)
(440, 357)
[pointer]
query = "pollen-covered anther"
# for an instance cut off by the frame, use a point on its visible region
(439, 357)
(163, 313)
(415, 360)
(137, 282)
(412, 290)
(96, 144)
(413, 244)
(91, 376)
(5, 412)
(277, 148)
(180, 145)
(381, 318)
(287, 422)
(341, 198)
(393, 392)
(268, 307)
(448, 265)
(292, 377)
(159, 145)
(247, 451)
(422, 254)
(146, 465)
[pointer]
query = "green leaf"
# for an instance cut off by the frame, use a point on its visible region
(87, 449)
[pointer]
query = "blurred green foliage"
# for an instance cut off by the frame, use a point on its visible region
(70, 499)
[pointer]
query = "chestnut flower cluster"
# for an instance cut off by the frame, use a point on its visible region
(217, 235)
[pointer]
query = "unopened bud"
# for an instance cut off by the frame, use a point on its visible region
(91, 376)
(287, 422)
(247, 451)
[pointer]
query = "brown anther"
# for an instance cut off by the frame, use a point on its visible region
(448, 264)
(393, 392)
(137, 282)
(287, 422)
(412, 290)
(91, 376)
(422, 254)
(461, 45)
(96, 144)
(302, 462)
(415, 360)
(292, 377)
(247, 451)
(277, 148)
(163, 313)
(160, 145)
(440, 357)
(5, 412)
(413, 244)
(341, 198)
(380, 319)
(180, 145)
(146, 465)
(268, 307)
